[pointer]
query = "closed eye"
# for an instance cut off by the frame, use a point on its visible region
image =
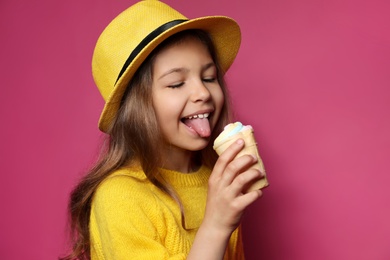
(209, 80)
(178, 85)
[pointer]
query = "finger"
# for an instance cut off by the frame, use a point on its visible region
(243, 201)
(226, 157)
(236, 168)
(242, 181)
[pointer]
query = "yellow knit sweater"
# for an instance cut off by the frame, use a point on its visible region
(132, 219)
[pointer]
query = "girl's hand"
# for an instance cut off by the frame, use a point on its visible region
(226, 200)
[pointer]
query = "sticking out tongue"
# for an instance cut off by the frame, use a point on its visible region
(200, 125)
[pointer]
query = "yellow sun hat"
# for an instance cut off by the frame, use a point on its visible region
(127, 41)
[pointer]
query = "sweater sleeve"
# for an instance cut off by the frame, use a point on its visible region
(126, 222)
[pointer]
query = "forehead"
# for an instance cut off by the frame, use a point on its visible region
(190, 52)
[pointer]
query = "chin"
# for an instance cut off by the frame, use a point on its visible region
(199, 146)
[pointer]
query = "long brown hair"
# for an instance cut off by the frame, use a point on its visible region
(131, 139)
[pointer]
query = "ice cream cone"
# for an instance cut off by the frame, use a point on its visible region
(250, 148)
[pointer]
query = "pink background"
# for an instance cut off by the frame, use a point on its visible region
(312, 77)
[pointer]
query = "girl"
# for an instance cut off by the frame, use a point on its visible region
(159, 191)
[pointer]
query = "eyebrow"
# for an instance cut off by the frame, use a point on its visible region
(208, 65)
(178, 70)
(174, 70)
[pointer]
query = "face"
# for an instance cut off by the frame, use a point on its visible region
(187, 97)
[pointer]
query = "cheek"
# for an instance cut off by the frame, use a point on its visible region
(165, 107)
(157, 107)
(219, 98)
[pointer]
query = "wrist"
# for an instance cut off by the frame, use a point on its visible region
(210, 243)
(214, 233)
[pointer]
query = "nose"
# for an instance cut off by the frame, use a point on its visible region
(200, 92)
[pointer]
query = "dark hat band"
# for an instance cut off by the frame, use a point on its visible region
(159, 30)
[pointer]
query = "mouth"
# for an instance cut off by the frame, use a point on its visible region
(203, 115)
(199, 123)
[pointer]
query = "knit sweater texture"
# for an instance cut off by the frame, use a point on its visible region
(133, 219)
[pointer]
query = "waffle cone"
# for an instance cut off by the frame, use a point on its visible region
(250, 148)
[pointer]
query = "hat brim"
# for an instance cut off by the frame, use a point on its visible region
(226, 37)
